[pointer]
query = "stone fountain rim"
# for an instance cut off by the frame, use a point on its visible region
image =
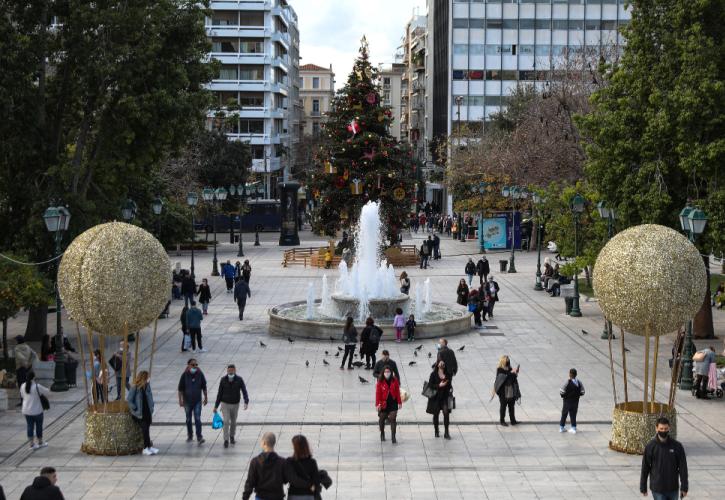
(349, 298)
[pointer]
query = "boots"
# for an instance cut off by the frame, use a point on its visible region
(382, 430)
(393, 427)
(435, 425)
(445, 426)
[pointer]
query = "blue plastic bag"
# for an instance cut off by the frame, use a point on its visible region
(217, 422)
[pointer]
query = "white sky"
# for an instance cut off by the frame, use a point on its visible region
(330, 30)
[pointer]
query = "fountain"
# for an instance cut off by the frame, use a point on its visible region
(369, 288)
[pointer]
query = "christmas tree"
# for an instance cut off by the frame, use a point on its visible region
(359, 161)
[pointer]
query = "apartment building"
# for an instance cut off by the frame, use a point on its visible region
(413, 86)
(257, 43)
(317, 88)
(392, 90)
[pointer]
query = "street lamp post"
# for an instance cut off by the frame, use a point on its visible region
(608, 213)
(192, 199)
(692, 221)
(258, 191)
(577, 207)
(481, 189)
(515, 193)
(129, 210)
(242, 193)
(212, 196)
(56, 221)
(158, 206)
(537, 203)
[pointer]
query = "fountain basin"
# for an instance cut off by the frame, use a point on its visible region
(288, 320)
(380, 309)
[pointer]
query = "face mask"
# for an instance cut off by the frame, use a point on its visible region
(438, 346)
(387, 375)
(193, 370)
(663, 434)
(231, 376)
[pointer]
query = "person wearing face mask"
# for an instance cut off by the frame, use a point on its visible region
(447, 356)
(440, 382)
(664, 461)
(192, 385)
(388, 402)
(231, 388)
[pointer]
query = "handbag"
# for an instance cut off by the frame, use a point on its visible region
(404, 395)
(451, 401)
(325, 479)
(428, 391)
(43, 400)
(187, 341)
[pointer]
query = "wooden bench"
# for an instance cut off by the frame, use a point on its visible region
(402, 256)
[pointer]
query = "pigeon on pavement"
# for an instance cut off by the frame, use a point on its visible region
(262, 344)
(324, 362)
(362, 380)
(419, 347)
(307, 363)
(411, 363)
(290, 340)
(462, 347)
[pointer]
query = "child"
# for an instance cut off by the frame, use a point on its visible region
(398, 323)
(410, 326)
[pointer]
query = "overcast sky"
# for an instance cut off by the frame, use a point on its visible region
(330, 30)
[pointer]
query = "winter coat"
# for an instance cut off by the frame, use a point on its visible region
(266, 477)
(470, 267)
(31, 400)
(449, 358)
(505, 378)
(350, 336)
(663, 462)
(194, 317)
(482, 267)
(42, 489)
(228, 271)
(383, 388)
(368, 346)
(572, 390)
(204, 293)
(399, 321)
(380, 366)
(135, 400)
(188, 286)
(302, 475)
(241, 292)
(462, 293)
(230, 392)
(191, 386)
(246, 272)
(184, 327)
(440, 398)
(410, 326)
(24, 356)
(491, 288)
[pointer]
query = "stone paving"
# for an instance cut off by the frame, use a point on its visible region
(336, 412)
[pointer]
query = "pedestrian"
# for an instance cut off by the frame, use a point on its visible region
(491, 288)
(410, 328)
(184, 330)
(398, 324)
(448, 356)
(349, 338)
(301, 471)
(188, 289)
(194, 317)
(664, 461)
(328, 259)
(116, 363)
(369, 342)
(33, 408)
(267, 474)
(141, 405)
(387, 401)
(204, 296)
(506, 387)
(230, 392)
(474, 303)
(702, 369)
(485, 300)
(100, 374)
(462, 293)
(192, 385)
(237, 271)
(24, 357)
(43, 487)
(482, 269)
(424, 253)
(570, 392)
(440, 381)
(436, 247)
(228, 273)
(404, 283)
(383, 362)
(470, 270)
(246, 271)
(241, 292)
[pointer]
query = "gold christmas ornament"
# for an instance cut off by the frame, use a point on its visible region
(112, 274)
(649, 275)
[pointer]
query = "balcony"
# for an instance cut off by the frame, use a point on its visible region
(282, 38)
(281, 63)
(253, 139)
(240, 5)
(227, 31)
(279, 88)
(243, 85)
(266, 165)
(241, 58)
(283, 14)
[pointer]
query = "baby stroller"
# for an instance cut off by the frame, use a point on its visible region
(715, 382)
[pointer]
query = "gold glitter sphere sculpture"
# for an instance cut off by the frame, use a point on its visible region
(114, 274)
(649, 276)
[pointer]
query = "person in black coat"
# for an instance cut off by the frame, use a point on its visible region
(43, 487)
(301, 471)
(506, 387)
(664, 461)
(483, 270)
(267, 472)
(241, 292)
(230, 393)
(188, 289)
(184, 328)
(440, 381)
(204, 295)
(369, 342)
(462, 293)
(447, 356)
(470, 270)
(491, 289)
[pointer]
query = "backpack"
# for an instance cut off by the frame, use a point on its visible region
(375, 334)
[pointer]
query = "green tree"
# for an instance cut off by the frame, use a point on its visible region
(360, 151)
(20, 287)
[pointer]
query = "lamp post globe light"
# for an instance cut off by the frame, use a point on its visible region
(157, 206)
(693, 222)
(536, 198)
(577, 207)
(608, 213)
(129, 210)
(57, 220)
(192, 199)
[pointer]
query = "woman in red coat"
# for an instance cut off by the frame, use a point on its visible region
(387, 401)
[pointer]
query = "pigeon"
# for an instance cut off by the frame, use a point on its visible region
(337, 354)
(585, 332)
(419, 347)
(462, 347)
(332, 339)
(358, 364)
(362, 380)
(340, 348)
(429, 355)
(262, 344)
(324, 362)
(290, 340)
(307, 363)
(415, 353)
(412, 363)
(327, 353)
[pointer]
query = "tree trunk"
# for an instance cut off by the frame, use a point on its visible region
(37, 323)
(6, 354)
(702, 327)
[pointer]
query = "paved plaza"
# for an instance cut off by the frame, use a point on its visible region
(336, 411)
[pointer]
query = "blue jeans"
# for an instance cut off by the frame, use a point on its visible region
(197, 419)
(35, 422)
(672, 495)
(188, 297)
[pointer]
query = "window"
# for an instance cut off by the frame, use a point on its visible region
(476, 48)
(386, 80)
(251, 73)
(543, 24)
(251, 18)
(227, 99)
(251, 126)
(302, 82)
(527, 75)
(494, 24)
(460, 23)
(252, 46)
(526, 50)
(224, 18)
(315, 129)
(609, 25)
(475, 74)
(476, 24)
(510, 24)
(228, 72)
(493, 74)
(560, 24)
(542, 50)
(316, 106)
(315, 82)
(526, 24)
(508, 74)
(460, 74)
(558, 50)
(473, 100)
(592, 24)
(225, 45)
(251, 99)
(460, 48)
(257, 152)
(576, 24)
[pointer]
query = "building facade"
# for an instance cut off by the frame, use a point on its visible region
(317, 88)
(257, 44)
(392, 90)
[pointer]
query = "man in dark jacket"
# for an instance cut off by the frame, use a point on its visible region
(664, 461)
(228, 396)
(191, 386)
(43, 487)
(241, 292)
(436, 247)
(570, 392)
(194, 317)
(383, 362)
(491, 289)
(229, 272)
(266, 476)
(188, 289)
(447, 356)
(424, 254)
(483, 270)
